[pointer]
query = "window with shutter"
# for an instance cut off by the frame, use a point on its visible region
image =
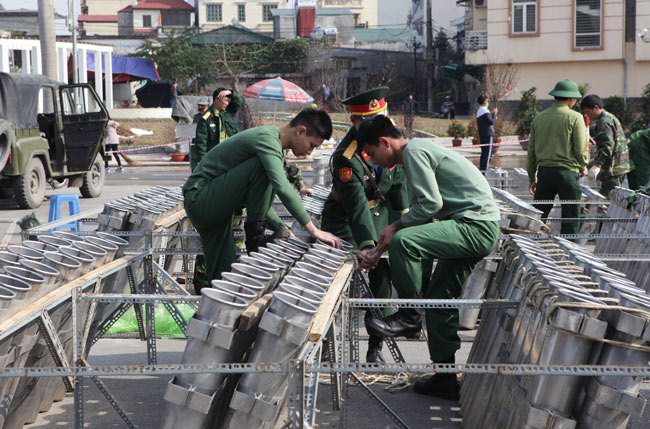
(524, 16)
(588, 24)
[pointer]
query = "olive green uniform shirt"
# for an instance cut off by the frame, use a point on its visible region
(350, 212)
(262, 142)
(558, 138)
(445, 185)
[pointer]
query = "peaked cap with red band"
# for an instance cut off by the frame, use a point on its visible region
(368, 103)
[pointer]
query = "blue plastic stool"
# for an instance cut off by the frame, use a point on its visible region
(56, 201)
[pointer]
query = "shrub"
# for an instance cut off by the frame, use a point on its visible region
(456, 129)
(616, 106)
(498, 128)
(472, 128)
(526, 111)
(642, 120)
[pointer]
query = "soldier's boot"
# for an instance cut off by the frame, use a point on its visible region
(443, 386)
(254, 235)
(374, 350)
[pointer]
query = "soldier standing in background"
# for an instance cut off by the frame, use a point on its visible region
(612, 161)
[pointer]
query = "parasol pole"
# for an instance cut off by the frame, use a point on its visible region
(275, 104)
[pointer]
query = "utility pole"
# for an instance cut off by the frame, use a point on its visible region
(430, 64)
(73, 28)
(48, 37)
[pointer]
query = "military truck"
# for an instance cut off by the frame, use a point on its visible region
(50, 133)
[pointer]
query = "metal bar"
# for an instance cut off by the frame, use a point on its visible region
(89, 319)
(111, 398)
(587, 236)
(150, 312)
(141, 298)
(169, 280)
(173, 310)
(381, 404)
(137, 307)
(432, 303)
(76, 355)
(591, 219)
(326, 368)
(295, 393)
(54, 345)
(335, 379)
(107, 323)
(311, 392)
(391, 344)
(531, 201)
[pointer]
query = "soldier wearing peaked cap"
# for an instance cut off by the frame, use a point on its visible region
(362, 196)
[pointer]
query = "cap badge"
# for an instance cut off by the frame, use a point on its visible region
(374, 104)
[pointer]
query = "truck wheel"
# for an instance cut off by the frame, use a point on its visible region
(93, 180)
(29, 187)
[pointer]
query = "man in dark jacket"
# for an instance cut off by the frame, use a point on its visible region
(485, 123)
(217, 124)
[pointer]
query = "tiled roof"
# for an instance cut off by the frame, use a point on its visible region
(163, 5)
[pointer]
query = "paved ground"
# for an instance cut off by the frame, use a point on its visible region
(142, 396)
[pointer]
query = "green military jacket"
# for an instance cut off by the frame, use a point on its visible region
(208, 129)
(352, 211)
(611, 145)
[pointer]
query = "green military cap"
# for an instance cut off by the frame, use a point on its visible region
(202, 103)
(566, 89)
(369, 102)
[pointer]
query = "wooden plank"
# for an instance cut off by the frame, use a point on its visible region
(253, 313)
(326, 308)
(41, 303)
(171, 219)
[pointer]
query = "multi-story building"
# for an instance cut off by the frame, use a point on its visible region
(154, 17)
(255, 15)
(365, 11)
(128, 17)
(597, 42)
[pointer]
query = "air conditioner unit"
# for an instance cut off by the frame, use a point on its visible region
(480, 3)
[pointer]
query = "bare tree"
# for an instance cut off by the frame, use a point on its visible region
(498, 81)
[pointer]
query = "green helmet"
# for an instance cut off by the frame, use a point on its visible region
(567, 89)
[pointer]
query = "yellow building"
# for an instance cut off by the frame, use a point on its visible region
(588, 41)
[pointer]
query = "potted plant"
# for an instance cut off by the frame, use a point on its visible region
(472, 131)
(457, 131)
(524, 114)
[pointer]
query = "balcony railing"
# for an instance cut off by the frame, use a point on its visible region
(476, 40)
(342, 2)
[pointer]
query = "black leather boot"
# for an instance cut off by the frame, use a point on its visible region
(254, 235)
(374, 350)
(406, 322)
(443, 386)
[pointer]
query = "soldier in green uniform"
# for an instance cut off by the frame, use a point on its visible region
(639, 147)
(557, 154)
(612, 160)
(447, 188)
(216, 124)
(362, 195)
(248, 170)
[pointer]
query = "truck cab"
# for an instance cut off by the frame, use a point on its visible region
(50, 133)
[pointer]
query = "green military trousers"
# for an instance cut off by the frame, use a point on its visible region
(457, 245)
(211, 208)
(552, 181)
(608, 183)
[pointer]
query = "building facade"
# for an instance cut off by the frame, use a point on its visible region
(365, 12)
(254, 15)
(597, 42)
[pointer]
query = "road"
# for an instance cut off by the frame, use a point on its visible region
(117, 185)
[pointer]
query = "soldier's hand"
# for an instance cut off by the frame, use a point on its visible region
(368, 259)
(224, 94)
(532, 187)
(385, 237)
(306, 192)
(327, 238)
